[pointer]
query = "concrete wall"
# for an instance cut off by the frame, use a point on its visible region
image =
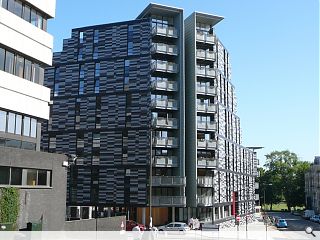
(48, 203)
(100, 224)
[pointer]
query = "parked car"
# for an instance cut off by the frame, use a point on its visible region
(130, 224)
(315, 218)
(307, 214)
(282, 223)
(174, 226)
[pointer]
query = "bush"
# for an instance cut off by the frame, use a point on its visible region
(9, 205)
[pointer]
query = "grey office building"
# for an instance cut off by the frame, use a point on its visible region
(118, 95)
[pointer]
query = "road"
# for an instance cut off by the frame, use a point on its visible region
(295, 223)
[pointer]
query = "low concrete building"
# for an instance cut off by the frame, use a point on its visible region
(312, 186)
(41, 180)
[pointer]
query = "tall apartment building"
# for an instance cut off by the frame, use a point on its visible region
(119, 105)
(218, 168)
(25, 50)
(312, 186)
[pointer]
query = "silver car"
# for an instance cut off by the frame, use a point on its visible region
(174, 226)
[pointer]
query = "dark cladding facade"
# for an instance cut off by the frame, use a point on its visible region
(101, 112)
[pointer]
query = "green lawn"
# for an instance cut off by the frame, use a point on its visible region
(279, 207)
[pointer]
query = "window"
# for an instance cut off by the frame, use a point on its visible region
(11, 122)
(2, 58)
(37, 72)
(42, 177)
(130, 48)
(26, 126)
(95, 53)
(33, 129)
(97, 86)
(3, 121)
(81, 35)
(34, 18)
(16, 176)
(97, 70)
(27, 69)
(13, 143)
(17, 8)
(31, 177)
(9, 64)
(96, 140)
(81, 71)
(52, 142)
(19, 66)
(4, 175)
(26, 13)
(81, 87)
(4, 4)
(28, 145)
(96, 36)
(80, 54)
(18, 124)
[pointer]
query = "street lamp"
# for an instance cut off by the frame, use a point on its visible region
(264, 197)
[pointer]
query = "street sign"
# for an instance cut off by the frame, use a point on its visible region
(238, 218)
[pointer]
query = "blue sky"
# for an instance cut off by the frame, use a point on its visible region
(274, 47)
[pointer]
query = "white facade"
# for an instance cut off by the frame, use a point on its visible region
(23, 38)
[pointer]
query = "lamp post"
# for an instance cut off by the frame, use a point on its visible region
(264, 205)
(212, 195)
(150, 177)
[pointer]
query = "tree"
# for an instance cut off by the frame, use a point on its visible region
(286, 174)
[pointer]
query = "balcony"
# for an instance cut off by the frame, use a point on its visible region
(161, 122)
(204, 201)
(205, 54)
(207, 144)
(169, 201)
(207, 126)
(204, 181)
(162, 181)
(206, 90)
(205, 37)
(206, 72)
(169, 142)
(164, 66)
(164, 49)
(207, 163)
(166, 161)
(206, 108)
(257, 197)
(165, 31)
(164, 85)
(164, 104)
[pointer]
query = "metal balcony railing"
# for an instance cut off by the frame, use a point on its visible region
(209, 126)
(169, 201)
(207, 144)
(207, 163)
(164, 104)
(164, 66)
(205, 37)
(164, 48)
(205, 54)
(206, 90)
(206, 72)
(164, 85)
(168, 181)
(204, 181)
(165, 31)
(204, 201)
(207, 108)
(165, 142)
(160, 122)
(166, 161)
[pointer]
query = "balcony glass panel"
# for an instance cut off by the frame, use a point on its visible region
(165, 31)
